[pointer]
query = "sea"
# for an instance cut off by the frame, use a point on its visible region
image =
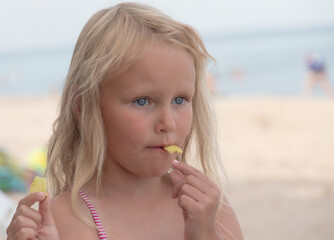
(251, 63)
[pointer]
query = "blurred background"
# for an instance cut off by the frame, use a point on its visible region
(272, 85)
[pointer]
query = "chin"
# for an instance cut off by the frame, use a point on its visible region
(155, 173)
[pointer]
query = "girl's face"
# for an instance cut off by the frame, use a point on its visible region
(147, 108)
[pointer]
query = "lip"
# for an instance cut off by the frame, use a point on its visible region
(159, 147)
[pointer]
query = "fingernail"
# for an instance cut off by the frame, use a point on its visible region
(41, 195)
(175, 161)
(170, 170)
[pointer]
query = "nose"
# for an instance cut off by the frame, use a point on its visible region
(165, 120)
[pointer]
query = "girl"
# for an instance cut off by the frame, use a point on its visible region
(136, 84)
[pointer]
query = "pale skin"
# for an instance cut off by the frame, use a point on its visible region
(143, 111)
(312, 79)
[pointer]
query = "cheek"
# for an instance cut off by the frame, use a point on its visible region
(185, 122)
(126, 127)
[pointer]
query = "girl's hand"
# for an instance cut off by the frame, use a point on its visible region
(28, 223)
(199, 199)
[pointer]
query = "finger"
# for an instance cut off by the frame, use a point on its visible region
(45, 211)
(187, 203)
(26, 212)
(186, 170)
(22, 222)
(24, 233)
(24, 209)
(193, 181)
(32, 198)
(192, 192)
(176, 176)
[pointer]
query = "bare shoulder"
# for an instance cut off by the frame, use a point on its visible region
(68, 224)
(228, 223)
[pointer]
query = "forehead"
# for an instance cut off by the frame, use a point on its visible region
(161, 64)
(161, 58)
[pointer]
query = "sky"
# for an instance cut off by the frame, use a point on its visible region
(35, 24)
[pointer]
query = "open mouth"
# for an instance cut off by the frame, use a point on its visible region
(169, 148)
(158, 148)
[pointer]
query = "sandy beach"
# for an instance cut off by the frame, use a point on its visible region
(278, 155)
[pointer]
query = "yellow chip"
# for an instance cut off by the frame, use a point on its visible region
(38, 185)
(173, 149)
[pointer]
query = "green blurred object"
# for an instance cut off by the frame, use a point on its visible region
(37, 161)
(11, 175)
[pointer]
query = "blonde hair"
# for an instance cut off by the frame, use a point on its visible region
(110, 42)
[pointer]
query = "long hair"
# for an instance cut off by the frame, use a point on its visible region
(110, 42)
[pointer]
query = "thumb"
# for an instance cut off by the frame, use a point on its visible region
(176, 176)
(45, 211)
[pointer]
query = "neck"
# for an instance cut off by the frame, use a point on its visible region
(118, 182)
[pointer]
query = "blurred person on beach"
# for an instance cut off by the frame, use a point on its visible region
(135, 85)
(237, 74)
(316, 75)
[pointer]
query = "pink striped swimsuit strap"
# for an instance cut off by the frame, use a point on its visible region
(101, 231)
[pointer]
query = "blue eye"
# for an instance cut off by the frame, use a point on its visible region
(141, 102)
(178, 100)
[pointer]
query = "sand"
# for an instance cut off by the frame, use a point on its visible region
(278, 155)
(279, 158)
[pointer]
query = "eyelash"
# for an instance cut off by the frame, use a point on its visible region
(183, 100)
(136, 102)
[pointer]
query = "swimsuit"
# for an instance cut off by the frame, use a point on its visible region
(317, 66)
(101, 231)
